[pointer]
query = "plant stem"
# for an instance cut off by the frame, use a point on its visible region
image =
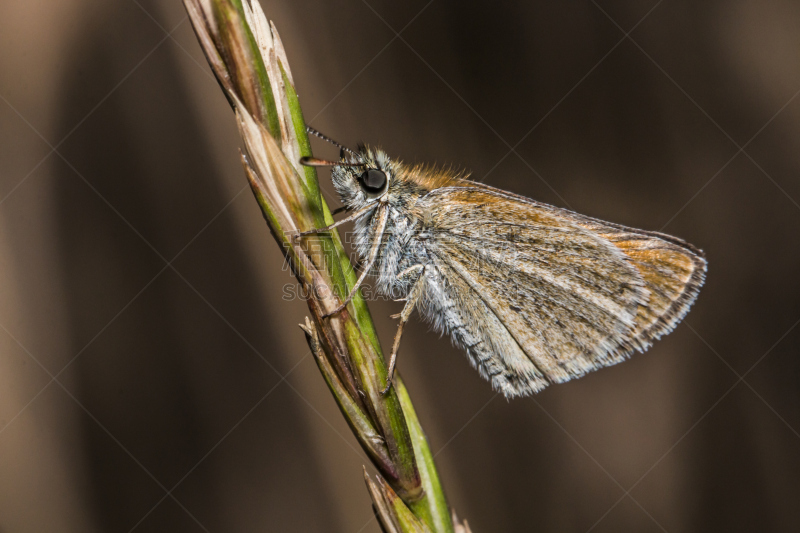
(248, 58)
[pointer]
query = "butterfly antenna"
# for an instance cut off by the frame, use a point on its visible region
(314, 162)
(312, 131)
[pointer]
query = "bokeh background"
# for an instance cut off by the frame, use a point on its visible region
(153, 378)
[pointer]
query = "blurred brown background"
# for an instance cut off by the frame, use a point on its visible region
(145, 340)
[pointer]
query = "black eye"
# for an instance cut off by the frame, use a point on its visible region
(373, 181)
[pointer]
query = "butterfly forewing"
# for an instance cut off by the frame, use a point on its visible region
(672, 269)
(570, 294)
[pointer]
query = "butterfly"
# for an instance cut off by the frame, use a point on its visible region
(534, 294)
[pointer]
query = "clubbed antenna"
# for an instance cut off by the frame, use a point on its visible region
(314, 162)
(312, 131)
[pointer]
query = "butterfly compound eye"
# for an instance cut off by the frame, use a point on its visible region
(373, 181)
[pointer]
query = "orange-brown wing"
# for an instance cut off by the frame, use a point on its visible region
(673, 270)
(554, 294)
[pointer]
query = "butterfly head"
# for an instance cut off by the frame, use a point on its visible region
(363, 177)
(368, 176)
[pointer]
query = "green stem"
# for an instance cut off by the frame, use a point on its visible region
(433, 508)
(345, 346)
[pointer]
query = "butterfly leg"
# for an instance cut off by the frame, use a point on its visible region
(350, 218)
(411, 302)
(383, 213)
